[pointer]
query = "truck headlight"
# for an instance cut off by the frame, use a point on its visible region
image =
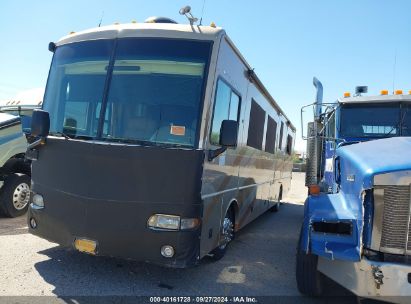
(164, 221)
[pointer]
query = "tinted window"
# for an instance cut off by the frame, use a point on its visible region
(406, 118)
(270, 135)
(289, 144)
(76, 85)
(227, 104)
(256, 126)
(151, 90)
(370, 120)
(156, 90)
(280, 145)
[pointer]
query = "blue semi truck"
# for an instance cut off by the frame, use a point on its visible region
(357, 217)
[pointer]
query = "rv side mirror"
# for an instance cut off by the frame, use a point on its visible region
(40, 123)
(229, 133)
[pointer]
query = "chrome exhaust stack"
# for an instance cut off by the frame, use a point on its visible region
(314, 140)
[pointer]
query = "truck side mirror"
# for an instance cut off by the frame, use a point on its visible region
(40, 123)
(229, 133)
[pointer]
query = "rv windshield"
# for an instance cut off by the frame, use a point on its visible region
(370, 120)
(150, 91)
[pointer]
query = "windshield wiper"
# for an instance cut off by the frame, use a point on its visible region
(130, 141)
(69, 136)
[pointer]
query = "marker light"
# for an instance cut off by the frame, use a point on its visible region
(347, 94)
(409, 92)
(133, 21)
(189, 223)
(384, 92)
(398, 92)
(314, 189)
(212, 24)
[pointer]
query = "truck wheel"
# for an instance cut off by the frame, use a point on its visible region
(15, 195)
(309, 279)
(226, 236)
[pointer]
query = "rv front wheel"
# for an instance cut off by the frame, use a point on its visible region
(15, 195)
(226, 235)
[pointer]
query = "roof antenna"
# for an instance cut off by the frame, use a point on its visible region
(202, 13)
(101, 19)
(393, 71)
(186, 11)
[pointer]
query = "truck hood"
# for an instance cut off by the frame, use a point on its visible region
(366, 159)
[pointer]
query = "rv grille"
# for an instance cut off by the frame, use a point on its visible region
(396, 230)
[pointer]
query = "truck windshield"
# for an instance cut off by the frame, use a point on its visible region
(370, 120)
(149, 90)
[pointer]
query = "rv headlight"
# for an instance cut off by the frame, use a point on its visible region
(37, 200)
(164, 221)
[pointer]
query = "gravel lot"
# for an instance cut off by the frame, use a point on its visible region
(260, 262)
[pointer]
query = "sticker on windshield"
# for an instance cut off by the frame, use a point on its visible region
(178, 130)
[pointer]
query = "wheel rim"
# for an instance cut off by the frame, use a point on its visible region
(227, 232)
(21, 196)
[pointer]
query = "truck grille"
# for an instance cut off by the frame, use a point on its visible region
(396, 230)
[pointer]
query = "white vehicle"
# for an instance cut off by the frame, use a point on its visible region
(14, 168)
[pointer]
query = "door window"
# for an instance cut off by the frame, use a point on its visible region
(227, 105)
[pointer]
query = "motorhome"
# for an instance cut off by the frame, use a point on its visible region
(157, 142)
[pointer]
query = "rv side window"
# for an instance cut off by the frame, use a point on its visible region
(289, 144)
(227, 104)
(256, 126)
(270, 136)
(280, 145)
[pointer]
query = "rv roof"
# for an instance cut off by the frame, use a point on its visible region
(144, 30)
(165, 30)
(376, 99)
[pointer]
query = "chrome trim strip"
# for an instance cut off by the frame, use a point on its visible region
(240, 188)
(398, 178)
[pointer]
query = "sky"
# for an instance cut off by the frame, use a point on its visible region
(344, 43)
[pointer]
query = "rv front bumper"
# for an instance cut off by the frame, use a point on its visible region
(119, 231)
(389, 282)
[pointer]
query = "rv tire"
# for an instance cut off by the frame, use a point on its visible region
(227, 232)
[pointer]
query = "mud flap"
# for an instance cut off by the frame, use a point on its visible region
(333, 226)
